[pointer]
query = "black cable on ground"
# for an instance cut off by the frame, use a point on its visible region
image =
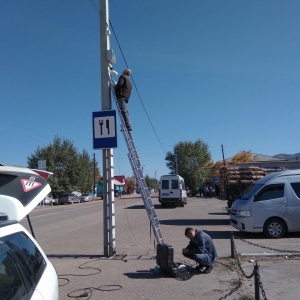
(87, 292)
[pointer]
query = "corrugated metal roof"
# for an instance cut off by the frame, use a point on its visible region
(260, 157)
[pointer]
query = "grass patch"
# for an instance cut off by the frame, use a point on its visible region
(235, 264)
(236, 282)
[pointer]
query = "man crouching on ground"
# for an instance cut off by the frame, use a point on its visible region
(201, 249)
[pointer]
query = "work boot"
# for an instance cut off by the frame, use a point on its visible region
(208, 270)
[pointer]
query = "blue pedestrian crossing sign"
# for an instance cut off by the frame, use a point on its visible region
(104, 129)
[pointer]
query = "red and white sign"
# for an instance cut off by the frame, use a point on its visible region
(29, 185)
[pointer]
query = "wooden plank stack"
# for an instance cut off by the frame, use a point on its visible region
(235, 179)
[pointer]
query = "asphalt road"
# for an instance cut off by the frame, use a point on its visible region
(72, 237)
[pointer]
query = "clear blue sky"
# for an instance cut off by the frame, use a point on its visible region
(226, 72)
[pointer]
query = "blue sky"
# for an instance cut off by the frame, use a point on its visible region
(226, 72)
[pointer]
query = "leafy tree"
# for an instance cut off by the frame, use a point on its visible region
(193, 162)
(130, 183)
(151, 182)
(216, 167)
(71, 170)
(242, 156)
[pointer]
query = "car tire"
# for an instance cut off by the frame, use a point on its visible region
(275, 228)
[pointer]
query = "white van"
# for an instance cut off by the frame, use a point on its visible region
(271, 205)
(172, 190)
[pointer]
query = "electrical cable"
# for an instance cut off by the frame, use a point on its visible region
(98, 271)
(135, 86)
(87, 292)
(140, 98)
(133, 235)
(120, 48)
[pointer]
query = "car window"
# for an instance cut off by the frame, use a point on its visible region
(5, 179)
(24, 187)
(12, 285)
(296, 188)
(174, 184)
(29, 255)
(165, 184)
(273, 191)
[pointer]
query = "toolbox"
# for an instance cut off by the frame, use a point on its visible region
(165, 259)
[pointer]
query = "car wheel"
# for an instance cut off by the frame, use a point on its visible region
(275, 228)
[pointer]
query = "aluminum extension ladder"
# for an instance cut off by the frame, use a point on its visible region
(137, 171)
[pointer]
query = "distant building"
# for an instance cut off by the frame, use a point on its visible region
(119, 182)
(265, 161)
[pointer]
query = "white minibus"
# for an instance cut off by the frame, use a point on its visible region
(271, 205)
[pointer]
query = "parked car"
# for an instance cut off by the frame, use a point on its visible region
(48, 201)
(25, 270)
(69, 198)
(85, 197)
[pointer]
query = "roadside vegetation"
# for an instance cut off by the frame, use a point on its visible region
(73, 170)
(76, 170)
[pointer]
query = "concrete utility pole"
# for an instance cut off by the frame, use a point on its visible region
(107, 154)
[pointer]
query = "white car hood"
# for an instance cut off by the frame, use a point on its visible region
(21, 190)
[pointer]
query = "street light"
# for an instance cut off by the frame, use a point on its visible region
(143, 169)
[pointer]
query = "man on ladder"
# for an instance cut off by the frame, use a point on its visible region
(123, 91)
(165, 253)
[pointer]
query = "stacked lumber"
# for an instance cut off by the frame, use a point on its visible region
(235, 179)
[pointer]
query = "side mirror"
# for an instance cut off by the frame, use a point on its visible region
(256, 198)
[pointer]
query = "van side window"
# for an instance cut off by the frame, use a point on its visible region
(165, 184)
(296, 188)
(174, 184)
(272, 191)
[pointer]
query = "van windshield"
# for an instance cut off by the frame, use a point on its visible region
(250, 191)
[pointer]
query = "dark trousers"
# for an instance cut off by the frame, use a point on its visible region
(124, 111)
(202, 259)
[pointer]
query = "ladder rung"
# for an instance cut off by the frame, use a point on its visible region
(137, 170)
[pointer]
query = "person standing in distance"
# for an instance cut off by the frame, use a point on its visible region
(123, 91)
(201, 249)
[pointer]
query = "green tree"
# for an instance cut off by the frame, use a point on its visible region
(151, 182)
(71, 170)
(193, 162)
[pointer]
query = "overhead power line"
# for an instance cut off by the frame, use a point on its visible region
(140, 98)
